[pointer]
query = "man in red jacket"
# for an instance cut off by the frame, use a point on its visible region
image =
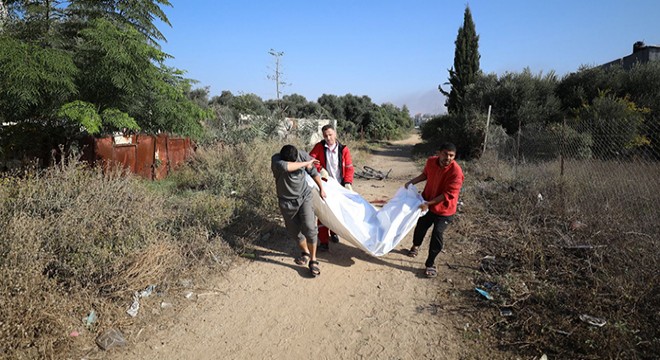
(335, 162)
(444, 178)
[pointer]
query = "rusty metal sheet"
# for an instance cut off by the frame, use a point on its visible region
(103, 152)
(146, 147)
(151, 157)
(161, 162)
(126, 156)
(176, 152)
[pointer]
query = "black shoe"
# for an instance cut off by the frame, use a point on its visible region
(334, 238)
(324, 247)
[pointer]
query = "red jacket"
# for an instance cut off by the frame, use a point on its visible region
(445, 181)
(346, 163)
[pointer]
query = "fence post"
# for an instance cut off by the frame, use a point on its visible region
(486, 133)
(562, 146)
(561, 149)
(515, 170)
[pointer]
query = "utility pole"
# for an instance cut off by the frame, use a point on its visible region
(277, 75)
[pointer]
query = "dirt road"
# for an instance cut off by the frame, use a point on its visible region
(360, 307)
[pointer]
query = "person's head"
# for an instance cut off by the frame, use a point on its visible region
(289, 153)
(329, 134)
(446, 153)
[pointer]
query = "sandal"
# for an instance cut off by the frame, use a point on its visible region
(413, 251)
(314, 268)
(302, 259)
(431, 272)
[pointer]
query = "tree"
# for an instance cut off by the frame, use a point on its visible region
(69, 67)
(333, 105)
(466, 64)
(137, 14)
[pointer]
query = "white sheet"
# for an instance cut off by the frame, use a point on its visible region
(376, 231)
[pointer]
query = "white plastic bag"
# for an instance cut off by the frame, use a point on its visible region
(353, 218)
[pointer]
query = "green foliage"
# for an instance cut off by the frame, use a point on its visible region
(581, 87)
(548, 142)
(34, 81)
(117, 119)
(466, 64)
(167, 108)
(387, 122)
(137, 14)
(35, 21)
(524, 98)
(465, 131)
(333, 105)
(116, 66)
(76, 59)
(296, 106)
(613, 123)
(82, 113)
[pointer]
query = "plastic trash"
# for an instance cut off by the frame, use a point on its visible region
(111, 338)
(593, 320)
(90, 319)
(74, 333)
(135, 306)
(164, 305)
(484, 293)
(147, 291)
(506, 311)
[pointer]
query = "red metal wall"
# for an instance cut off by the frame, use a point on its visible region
(151, 157)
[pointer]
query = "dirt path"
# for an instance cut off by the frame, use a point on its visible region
(360, 307)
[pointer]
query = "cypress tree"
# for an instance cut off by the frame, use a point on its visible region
(466, 64)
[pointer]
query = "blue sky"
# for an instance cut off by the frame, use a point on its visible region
(395, 51)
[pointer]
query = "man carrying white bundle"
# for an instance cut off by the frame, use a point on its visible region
(334, 162)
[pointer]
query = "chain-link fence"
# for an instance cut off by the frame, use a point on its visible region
(598, 173)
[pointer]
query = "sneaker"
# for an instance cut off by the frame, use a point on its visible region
(324, 247)
(334, 238)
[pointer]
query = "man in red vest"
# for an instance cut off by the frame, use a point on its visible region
(335, 162)
(444, 178)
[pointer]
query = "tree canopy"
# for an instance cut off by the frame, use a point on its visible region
(91, 65)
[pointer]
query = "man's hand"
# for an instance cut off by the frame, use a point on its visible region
(324, 174)
(424, 206)
(323, 194)
(310, 163)
(348, 186)
(405, 186)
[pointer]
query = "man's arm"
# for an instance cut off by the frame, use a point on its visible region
(421, 177)
(317, 152)
(349, 170)
(319, 183)
(294, 166)
(452, 191)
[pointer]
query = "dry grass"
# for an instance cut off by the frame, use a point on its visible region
(75, 240)
(589, 247)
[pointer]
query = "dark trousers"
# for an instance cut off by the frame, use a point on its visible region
(439, 223)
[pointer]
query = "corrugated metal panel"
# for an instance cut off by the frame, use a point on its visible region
(146, 146)
(176, 152)
(103, 149)
(151, 157)
(161, 158)
(125, 155)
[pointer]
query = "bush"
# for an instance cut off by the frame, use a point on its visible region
(466, 132)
